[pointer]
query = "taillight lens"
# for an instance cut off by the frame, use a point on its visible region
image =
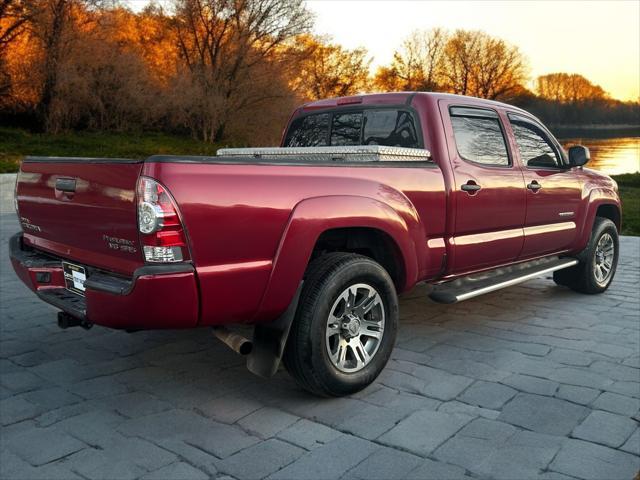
(161, 233)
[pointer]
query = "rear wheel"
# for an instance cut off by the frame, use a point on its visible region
(345, 326)
(598, 261)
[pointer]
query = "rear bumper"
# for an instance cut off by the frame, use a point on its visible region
(158, 296)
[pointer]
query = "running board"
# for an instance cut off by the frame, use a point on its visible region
(479, 284)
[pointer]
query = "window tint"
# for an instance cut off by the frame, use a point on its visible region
(389, 127)
(345, 128)
(479, 137)
(535, 146)
(309, 131)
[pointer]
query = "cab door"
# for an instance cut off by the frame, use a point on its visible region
(553, 191)
(488, 190)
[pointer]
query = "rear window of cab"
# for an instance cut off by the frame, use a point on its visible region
(385, 126)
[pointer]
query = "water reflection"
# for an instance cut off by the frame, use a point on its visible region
(610, 155)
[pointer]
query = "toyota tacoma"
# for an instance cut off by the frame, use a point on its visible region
(311, 242)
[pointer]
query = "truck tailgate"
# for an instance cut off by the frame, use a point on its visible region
(83, 210)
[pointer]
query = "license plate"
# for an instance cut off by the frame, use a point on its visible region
(74, 277)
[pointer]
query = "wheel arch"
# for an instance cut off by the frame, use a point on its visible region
(610, 211)
(601, 202)
(367, 224)
(370, 242)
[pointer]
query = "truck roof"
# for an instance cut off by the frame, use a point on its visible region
(396, 98)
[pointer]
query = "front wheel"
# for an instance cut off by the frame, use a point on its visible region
(345, 326)
(598, 261)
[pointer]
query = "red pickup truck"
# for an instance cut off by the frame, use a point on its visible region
(311, 242)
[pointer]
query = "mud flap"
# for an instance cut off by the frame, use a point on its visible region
(269, 341)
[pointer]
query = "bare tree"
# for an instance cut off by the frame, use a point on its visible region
(479, 65)
(53, 17)
(104, 81)
(461, 57)
(386, 80)
(568, 88)
(321, 69)
(501, 71)
(418, 65)
(55, 25)
(14, 17)
(221, 43)
(465, 62)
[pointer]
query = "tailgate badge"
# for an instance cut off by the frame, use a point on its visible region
(122, 244)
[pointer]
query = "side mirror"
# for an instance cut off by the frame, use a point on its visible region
(578, 155)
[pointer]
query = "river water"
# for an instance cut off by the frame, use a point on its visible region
(610, 155)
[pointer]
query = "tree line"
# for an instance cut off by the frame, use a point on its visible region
(233, 70)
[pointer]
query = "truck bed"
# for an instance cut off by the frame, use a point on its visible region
(236, 209)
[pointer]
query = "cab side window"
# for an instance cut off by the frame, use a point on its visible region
(479, 136)
(536, 148)
(390, 127)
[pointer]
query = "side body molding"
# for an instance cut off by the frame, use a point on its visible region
(311, 217)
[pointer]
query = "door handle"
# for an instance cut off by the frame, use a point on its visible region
(65, 188)
(470, 187)
(66, 185)
(534, 186)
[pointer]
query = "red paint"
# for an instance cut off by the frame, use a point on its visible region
(492, 217)
(251, 229)
(156, 301)
(73, 225)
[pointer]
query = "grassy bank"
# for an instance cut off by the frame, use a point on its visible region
(629, 185)
(15, 144)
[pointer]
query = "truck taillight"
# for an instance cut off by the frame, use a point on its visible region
(162, 235)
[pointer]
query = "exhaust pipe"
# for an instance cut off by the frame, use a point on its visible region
(67, 321)
(234, 341)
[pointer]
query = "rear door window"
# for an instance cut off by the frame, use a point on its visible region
(385, 126)
(479, 136)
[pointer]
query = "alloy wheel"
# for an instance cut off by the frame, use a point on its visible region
(355, 328)
(603, 259)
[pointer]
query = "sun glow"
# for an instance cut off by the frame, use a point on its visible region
(598, 39)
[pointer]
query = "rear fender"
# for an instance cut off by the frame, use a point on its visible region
(310, 218)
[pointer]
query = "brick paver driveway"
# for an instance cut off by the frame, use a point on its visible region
(532, 382)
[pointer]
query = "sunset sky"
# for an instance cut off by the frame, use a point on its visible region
(598, 39)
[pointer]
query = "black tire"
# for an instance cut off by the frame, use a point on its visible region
(582, 278)
(306, 355)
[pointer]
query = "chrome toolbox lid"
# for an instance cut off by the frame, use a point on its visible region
(351, 153)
